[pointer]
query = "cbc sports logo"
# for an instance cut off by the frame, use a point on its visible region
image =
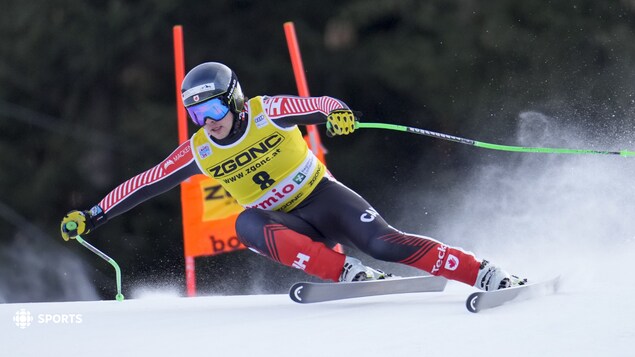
(23, 319)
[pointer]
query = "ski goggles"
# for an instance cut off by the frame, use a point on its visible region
(214, 109)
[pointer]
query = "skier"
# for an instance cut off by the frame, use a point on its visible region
(295, 210)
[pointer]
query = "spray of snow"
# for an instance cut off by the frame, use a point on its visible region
(545, 214)
(155, 293)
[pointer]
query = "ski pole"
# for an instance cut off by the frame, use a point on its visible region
(73, 226)
(409, 129)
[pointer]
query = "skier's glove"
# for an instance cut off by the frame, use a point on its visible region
(81, 222)
(341, 122)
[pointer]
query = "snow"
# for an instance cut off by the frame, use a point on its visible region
(586, 320)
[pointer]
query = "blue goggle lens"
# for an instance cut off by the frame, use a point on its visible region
(213, 109)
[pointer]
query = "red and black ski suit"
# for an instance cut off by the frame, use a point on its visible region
(303, 237)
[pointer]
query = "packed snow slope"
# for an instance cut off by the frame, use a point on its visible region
(593, 319)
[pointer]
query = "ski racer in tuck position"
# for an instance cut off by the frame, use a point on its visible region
(295, 210)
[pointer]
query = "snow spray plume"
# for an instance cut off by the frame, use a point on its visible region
(545, 214)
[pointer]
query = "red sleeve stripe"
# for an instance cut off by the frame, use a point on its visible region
(130, 186)
(282, 105)
(181, 157)
(290, 107)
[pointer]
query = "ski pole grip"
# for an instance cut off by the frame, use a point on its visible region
(329, 133)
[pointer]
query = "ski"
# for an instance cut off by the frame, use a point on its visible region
(309, 292)
(488, 299)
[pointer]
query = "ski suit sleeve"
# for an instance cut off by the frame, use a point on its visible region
(176, 168)
(287, 111)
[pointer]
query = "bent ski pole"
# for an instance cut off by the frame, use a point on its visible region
(484, 145)
(73, 226)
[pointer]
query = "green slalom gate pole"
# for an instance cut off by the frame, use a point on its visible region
(71, 226)
(409, 129)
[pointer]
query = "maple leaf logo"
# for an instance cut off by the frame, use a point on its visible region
(452, 262)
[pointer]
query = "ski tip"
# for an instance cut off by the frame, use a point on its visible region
(296, 292)
(472, 302)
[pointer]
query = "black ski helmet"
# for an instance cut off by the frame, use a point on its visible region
(211, 80)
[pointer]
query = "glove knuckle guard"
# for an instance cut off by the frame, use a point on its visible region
(342, 121)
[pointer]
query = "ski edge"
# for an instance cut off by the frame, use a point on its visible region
(549, 286)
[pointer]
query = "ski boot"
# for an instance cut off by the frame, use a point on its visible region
(354, 270)
(491, 277)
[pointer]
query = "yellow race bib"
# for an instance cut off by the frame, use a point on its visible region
(269, 167)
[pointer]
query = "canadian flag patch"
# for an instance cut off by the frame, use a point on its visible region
(451, 263)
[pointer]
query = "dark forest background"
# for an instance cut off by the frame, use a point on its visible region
(87, 100)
